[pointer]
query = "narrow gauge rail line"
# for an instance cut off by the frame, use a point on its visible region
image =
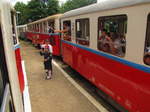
(85, 84)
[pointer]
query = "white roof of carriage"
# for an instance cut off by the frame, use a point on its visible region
(21, 26)
(45, 19)
(103, 5)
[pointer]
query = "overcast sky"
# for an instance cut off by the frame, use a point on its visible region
(25, 1)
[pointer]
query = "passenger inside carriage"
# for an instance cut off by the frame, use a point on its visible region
(50, 29)
(66, 31)
(104, 41)
(113, 43)
(118, 45)
(114, 29)
(103, 34)
(147, 58)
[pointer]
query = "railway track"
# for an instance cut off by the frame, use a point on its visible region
(90, 88)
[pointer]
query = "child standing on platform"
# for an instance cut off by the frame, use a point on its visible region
(48, 59)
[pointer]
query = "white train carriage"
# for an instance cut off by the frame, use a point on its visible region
(21, 30)
(107, 45)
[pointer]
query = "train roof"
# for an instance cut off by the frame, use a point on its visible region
(47, 18)
(21, 26)
(4, 3)
(103, 5)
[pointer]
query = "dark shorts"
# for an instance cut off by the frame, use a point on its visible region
(48, 65)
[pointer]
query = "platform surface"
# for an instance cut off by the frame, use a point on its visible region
(55, 95)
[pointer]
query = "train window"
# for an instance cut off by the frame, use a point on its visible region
(41, 27)
(34, 27)
(51, 26)
(147, 43)
(29, 28)
(37, 27)
(45, 27)
(111, 34)
(67, 30)
(51, 23)
(82, 31)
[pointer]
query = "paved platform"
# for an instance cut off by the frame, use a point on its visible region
(55, 95)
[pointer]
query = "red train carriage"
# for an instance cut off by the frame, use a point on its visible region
(38, 32)
(106, 46)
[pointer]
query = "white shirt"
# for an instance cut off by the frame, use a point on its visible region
(50, 47)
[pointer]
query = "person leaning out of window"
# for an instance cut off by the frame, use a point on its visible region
(66, 32)
(147, 58)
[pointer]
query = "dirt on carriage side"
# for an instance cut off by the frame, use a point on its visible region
(55, 95)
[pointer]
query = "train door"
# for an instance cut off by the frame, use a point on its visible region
(6, 103)
(17, 52)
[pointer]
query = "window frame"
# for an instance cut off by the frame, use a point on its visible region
(83, 41)
(65, 21)
(107, 17)
(146, 39)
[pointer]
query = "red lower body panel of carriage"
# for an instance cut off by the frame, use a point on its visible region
(125, 82)
(39, 38)
(19, 67)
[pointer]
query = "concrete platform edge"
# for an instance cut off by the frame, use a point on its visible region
(26, 96)
(84, 92)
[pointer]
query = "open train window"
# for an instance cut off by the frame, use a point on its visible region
(147, 43)
(83, 31)
(37, 27)
(51, 24)
(41, 28)
(112, 34)
(34, 27)
(67, 30)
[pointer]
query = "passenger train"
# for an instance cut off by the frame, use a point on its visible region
(109, 44)
(11, 71)
(38, 32)
(21, 31)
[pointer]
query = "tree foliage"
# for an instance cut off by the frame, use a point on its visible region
(52, 7)
(21, 8)
(73, 4)
(37, 9)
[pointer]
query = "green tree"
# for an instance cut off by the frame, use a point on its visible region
(73, 4)
(52, 7)
(36, 9)
(22, 15)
